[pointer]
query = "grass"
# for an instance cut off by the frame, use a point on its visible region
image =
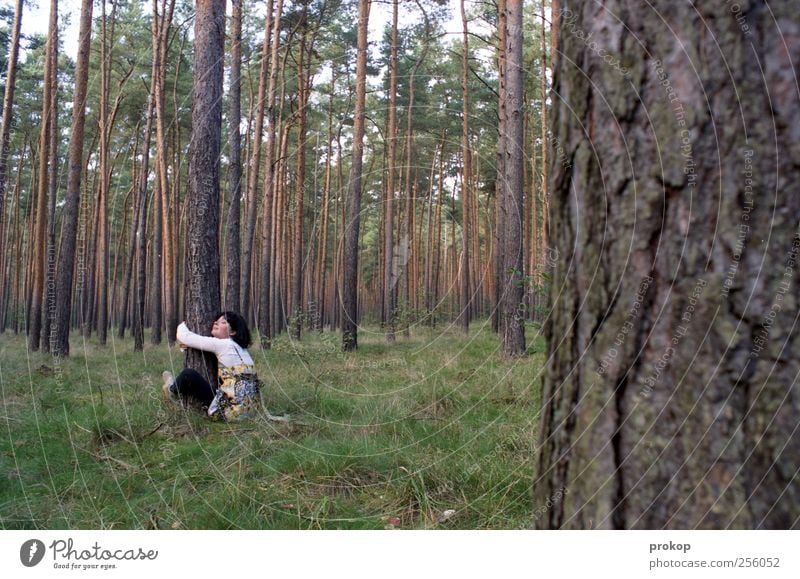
(436, 431)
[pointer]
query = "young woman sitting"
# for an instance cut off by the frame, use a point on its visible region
(236, 395)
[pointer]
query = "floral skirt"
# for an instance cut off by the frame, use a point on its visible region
(238, 396)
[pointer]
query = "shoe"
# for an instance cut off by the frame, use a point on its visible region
(169, 385)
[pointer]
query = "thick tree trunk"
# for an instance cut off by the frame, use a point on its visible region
(352, 225)
(69, 223)
(671, 395)
(512, 323)
(202, 299)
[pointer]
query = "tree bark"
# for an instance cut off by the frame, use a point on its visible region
(512, 324)
(671, 398)
(5, 139)
(498, 238)
(389, 278)
(141, 222)
(39, 249)
(268, 306)
(352, 225)
(69, 222)
(300, 181)
(232, 234)
(202, 299)
(162, 25)
(465, 177)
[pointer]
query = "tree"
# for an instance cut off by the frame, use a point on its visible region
(512, 324)
(69, 219)
(352, 225)
(267, 303)
(202, 299)
(232, 256)
(141, 220)
(162, 25)
(466, 176)
(254, 168)
(389, 281)
(39, 253)
(5, 138)
(670, 399)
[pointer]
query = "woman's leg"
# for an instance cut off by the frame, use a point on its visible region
(192, 387)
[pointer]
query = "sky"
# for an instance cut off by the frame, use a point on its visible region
(37, 12)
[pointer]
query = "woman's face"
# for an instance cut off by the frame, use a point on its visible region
(221, 329)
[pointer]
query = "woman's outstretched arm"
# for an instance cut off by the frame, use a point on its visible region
(205, 343)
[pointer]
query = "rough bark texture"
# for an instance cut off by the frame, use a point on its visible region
(69, 220)
(671, 395)
(232, 254)
(512, 324)
(202, 240)
(352, 225)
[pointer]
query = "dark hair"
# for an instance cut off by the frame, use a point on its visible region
(240, 332)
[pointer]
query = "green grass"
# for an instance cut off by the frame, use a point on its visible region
(387, 436)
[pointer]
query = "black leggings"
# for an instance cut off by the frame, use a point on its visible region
(192, 387)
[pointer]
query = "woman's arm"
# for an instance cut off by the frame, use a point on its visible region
(205, 343)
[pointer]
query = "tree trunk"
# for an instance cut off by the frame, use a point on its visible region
(389, 279)
(352, 226)
(512, 324)
(498, 240)
(545, 188)
(12, 297)
(5, 139)
(267, 319)
(69, 223)
(465, 177)
(253, 173)
(48, 337)
(671, 398)
(300, 182)
(105, 179)
(39, 249)
(202, 300)
(232, 254)
(162, 24)
(322, 251)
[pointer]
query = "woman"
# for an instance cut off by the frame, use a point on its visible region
(237, 396)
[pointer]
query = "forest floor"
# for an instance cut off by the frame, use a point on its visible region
(435, 431)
